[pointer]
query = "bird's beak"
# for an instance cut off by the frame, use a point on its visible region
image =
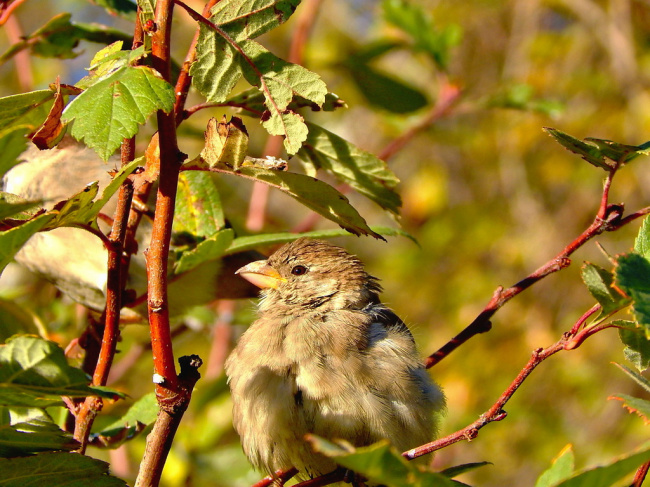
(261, 274)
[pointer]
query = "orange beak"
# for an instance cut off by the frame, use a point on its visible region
(261, 274)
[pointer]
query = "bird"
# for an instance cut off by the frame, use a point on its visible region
(325, 357)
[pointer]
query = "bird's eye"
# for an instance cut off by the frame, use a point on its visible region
(299, 270)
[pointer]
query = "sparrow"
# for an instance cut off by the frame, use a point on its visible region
(325, 357)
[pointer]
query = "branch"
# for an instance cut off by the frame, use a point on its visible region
(569, 341)
(608, 218)
(114, 289)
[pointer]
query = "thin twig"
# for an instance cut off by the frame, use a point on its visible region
(496, 412)
(608, 218)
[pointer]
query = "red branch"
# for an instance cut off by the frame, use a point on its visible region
(609, 218)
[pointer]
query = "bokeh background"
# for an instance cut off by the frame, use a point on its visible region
(487, 194)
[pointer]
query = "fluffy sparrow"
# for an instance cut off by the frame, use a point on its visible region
(325, 357)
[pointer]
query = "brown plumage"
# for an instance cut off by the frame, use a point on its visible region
(325, 357)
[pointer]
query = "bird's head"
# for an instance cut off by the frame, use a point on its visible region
(312, 274)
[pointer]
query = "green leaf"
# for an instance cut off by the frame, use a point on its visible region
(252, 242)
(606, 475)
(599, 283)
(636, 377)
(642, 241)
(108, 60)
(13, 143)
(247, 19)
(314, 194)
(599, 152)
(363, 171)
(457, 470)
(67, 212)
(633, 277)
(58, 469)
(251, 103)
(635, 405)
(112, 109)
(198, 207)
(11, 205)
(211, 248)
(381, 463)
(141, 414)
(15, 319)
(34, 435)
(24, 110)
(418, 24)
(12, 240)
(561, 469)
(289, 124)
(126, 8)
(637, 348)
(619, 152)
(521, 97)
(385, 91)
(34, 373)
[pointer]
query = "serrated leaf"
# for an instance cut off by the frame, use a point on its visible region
(381, 463)
(290, 125)
(112, 109)
(314, 194)
(637, 347)
(588, 152)
(618, 152)
(642, 241)
(635, 376)
(24, 110)
(226, 143)
(12, 240)
(602, 153)
(252, 242)
(633, 277)
(606, 475)
(198, 206)
(247, 19)
(251, 103)
(599, 283)
(35, 435)
(34, 373)
(57, 469)
(216, 70)
(211, 248)
(363, 171)
(561, 469)
(635, 405)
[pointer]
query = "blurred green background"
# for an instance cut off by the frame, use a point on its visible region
(488, 195)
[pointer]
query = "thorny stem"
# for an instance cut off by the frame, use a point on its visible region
(608, 218)
(114, 288)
